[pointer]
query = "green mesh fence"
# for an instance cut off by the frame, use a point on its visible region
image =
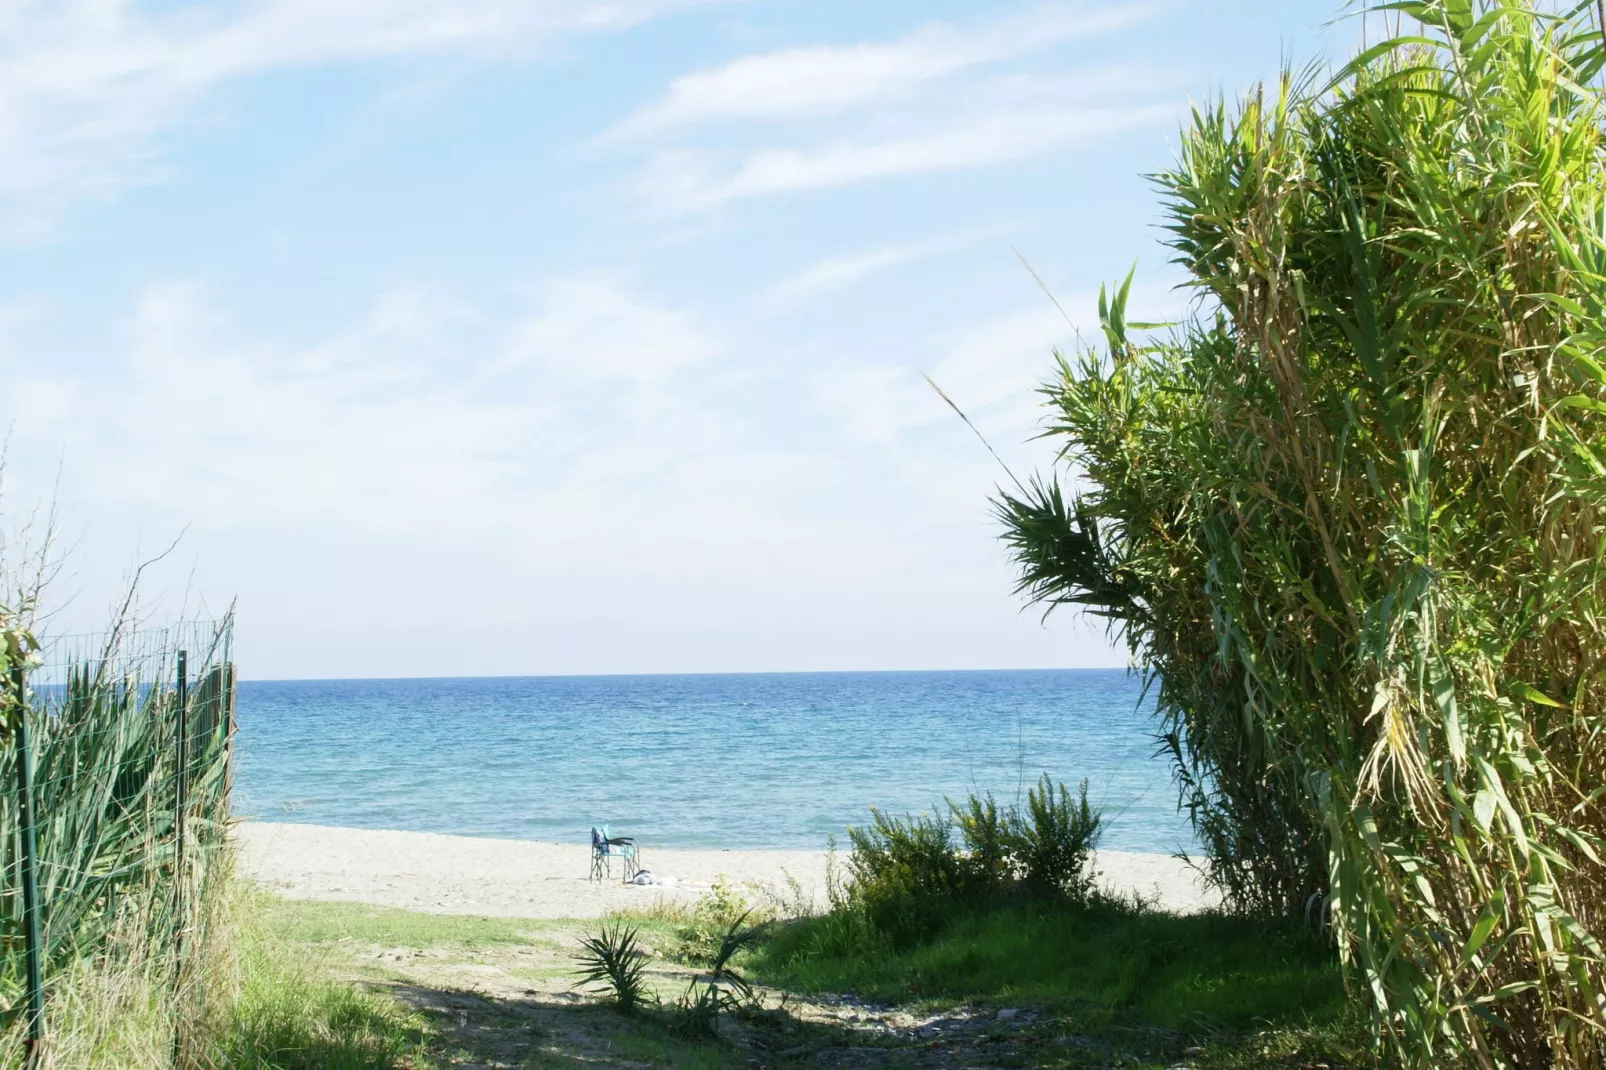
(129, 738)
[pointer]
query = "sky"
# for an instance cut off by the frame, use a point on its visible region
(484, 337)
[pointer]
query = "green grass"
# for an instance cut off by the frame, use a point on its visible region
(287, 1017)
(314, 923)
(274, 1006)
(1103, 966)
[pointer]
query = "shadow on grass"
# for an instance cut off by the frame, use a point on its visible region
(1108, 964)
(540, 1030)
(1089, 988)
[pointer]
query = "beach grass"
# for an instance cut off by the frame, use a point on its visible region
(1110, 984)
(1100, 966)
(273, 1002)
(321, 923)
(249, 997)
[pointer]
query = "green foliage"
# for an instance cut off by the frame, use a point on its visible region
(989, 859)
(1350, 516)
(244, 999)
(122, 881)
(906, 875)
(1110, 965)
(721, 990)
(106, 757)
(614, 959)
(713, 916)
(282, 1013)
(1050, 845)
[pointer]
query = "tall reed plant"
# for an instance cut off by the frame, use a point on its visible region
(1351, 517)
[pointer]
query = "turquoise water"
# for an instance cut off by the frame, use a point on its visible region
(764, 760)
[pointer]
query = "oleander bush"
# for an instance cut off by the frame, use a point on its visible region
(1349, 516)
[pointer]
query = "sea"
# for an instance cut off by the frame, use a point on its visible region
(783, 760)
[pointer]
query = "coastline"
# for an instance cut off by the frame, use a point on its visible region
(444, 874)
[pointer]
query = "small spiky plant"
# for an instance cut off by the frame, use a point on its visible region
(721, 990)
(614, 959)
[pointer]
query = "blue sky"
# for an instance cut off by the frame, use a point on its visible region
(550, 336)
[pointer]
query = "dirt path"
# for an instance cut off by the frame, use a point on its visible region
(515, 1006)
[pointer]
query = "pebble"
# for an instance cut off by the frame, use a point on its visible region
(1009, 1014)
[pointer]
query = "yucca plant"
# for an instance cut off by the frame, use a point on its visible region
(613, 960)
(1351, 518)
(721, 990)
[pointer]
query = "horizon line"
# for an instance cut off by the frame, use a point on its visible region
(648, 675)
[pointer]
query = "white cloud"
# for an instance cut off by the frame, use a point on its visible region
(990, 370)
(835, 272)
(88, 86)
(940, 99)
(982, 142)
(829, 80)
(593, 328)
(419, 415)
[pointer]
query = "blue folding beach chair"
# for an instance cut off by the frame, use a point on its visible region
(606, 849)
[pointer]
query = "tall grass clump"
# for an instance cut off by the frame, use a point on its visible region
(1350, 517)
(260, 1002)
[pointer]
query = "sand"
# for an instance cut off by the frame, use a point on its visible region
(524, 879)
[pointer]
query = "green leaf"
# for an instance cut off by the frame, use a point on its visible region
(1533, 694)
(1480, 934)
(1483, 804)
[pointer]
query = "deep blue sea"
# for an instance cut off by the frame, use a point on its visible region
(763, 760)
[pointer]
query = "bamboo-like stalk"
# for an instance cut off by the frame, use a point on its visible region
(1352, 519)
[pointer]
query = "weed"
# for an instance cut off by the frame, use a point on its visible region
(712, 917)
(721, 990)
(1052, 842)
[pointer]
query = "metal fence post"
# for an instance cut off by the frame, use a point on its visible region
(181, 803)
(228, 738)
(30, 875)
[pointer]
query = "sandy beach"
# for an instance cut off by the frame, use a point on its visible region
(521, 878)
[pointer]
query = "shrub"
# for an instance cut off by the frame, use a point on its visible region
(712, 917)
(1349, 515)
(1050, 846)
(988, 863)
(904, 872)
(907, 875)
